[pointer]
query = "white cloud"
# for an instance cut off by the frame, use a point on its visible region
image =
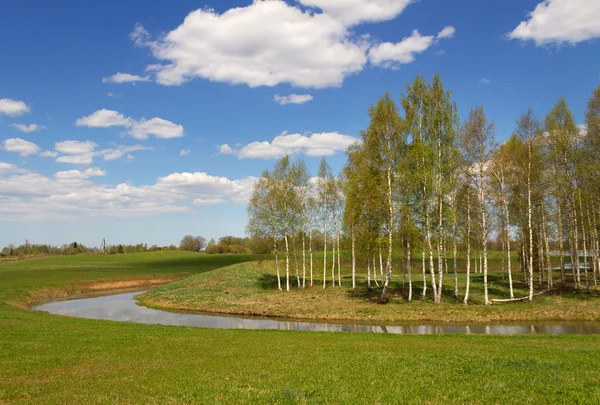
(120, 150)
(560, 21)
(355, 11)
(49, 153)
(7, 167)
(388, 54)
(21, 146)
(12, 108)
(225, 150)
(323, 144)
(582, 128)
(141, 129)
(120, 78)
(293, 99)
(447, 32)
(130, 158)
(103, 119)
(28, 128)
(263, 44)
(79, 175)
(84, 152)
(75, 147)
(156, 126)
(78, 159)
(73, 195)
(184, 152)
(485, 80)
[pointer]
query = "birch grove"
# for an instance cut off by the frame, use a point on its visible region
(423, 195)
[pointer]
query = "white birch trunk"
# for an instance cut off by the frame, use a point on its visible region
(287, 264)
(584, 240)
(483, 235)
(424, 293)
(408, 270)
(466, 299)
(324, 255)
(530, 228)
(560, 241)
(310, 254)
(353, 261)
(277, 263)
(303, 259)
(339, 261)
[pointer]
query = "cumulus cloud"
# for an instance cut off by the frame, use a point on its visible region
(7, 167)
(293, 99)
(27, 128)
(485, 80)
(75, 147)
(21, 146)
(104, 119)
(12, 108)
(184, 152)
(120, 78)
(141, 129)
(560, 21)
(49, 153)
(72, 195)
(447, 32)
(390, 55)
(84, 152)
(79, 175)
(353, 12)
(225, 149)
(323, 144)
(158, 127)
(263, 44)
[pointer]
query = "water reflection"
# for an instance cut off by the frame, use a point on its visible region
(123, 307)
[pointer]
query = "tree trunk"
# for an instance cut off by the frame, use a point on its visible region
(431, 265)
(296, 260)
(303, 253)
(368, 270)
(560, 241)
(311, 255)
(584, 240)
(408, 270)
(424, 293)
(529, 215)
(324, 255)
(287, 264)
(353, 261)
(547, 244)
(466, 299)
(333, 261)
(277, 263)
(483, 235)
(454, 245)
(509, 270)
(339, 261)
(388, 267)
(438, 297)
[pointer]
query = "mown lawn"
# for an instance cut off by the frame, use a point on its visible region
(54, 359)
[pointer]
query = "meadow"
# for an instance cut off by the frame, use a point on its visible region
(54, 359)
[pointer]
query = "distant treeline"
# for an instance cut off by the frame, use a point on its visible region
(224, 245)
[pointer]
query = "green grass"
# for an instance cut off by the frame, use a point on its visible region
(54, 359)
(251, 289)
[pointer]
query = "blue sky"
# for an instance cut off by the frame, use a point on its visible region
(114, 115)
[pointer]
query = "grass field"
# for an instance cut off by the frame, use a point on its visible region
(251, 289)
(54, 359)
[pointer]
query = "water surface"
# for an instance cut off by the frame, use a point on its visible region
(123, 307)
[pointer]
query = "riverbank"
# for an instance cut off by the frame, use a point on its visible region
(250, 289)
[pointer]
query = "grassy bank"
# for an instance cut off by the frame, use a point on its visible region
(251, 289)
(55, 359)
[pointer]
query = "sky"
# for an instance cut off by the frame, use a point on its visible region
(141, 122)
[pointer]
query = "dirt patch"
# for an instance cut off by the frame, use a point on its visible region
(116, 285)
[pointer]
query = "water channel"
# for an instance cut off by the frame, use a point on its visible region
(123, 307)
